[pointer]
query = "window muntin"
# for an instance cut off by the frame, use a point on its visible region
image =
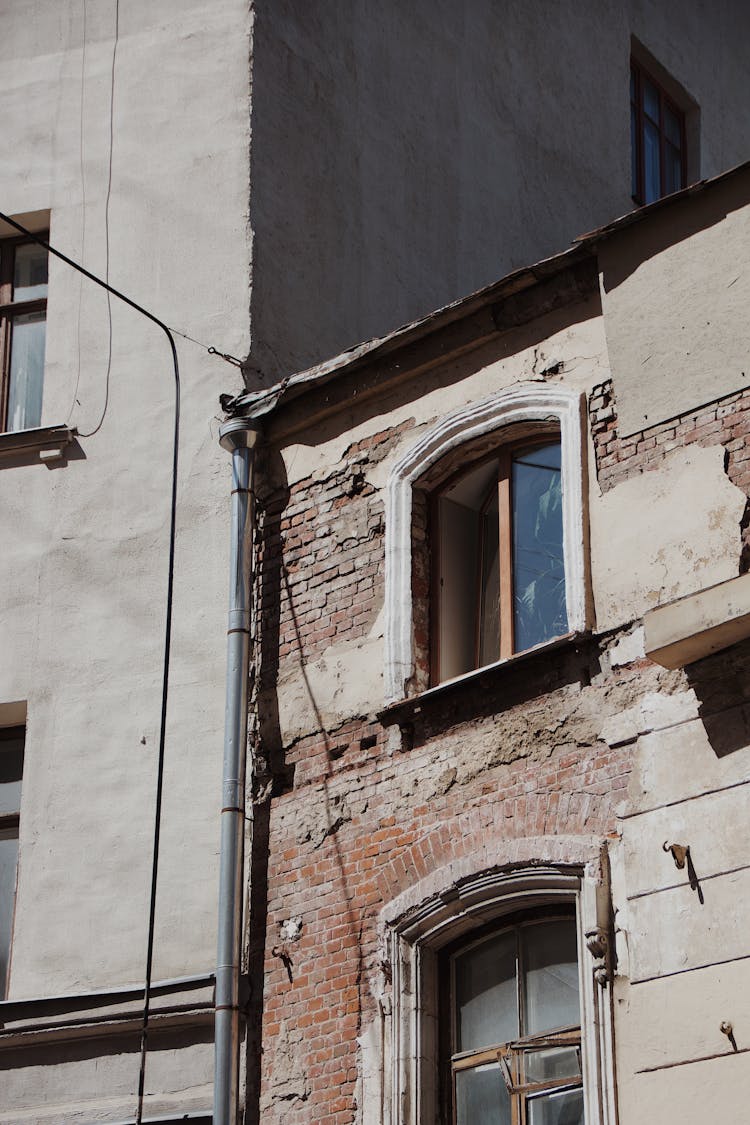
(23, 315)
(515, 1052)
(498, 557)
(657, 139)
(11, 772)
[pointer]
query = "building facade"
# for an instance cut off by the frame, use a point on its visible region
(500, 750)
(274, 182)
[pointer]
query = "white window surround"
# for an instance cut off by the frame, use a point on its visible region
(525, 402)
(411, 1073)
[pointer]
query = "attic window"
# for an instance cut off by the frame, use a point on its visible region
(657, 134)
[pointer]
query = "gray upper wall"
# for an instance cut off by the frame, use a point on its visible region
(404, 155)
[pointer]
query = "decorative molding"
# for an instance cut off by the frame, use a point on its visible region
(523, 403)
(414, 938)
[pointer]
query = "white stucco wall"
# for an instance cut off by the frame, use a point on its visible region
(83, 566)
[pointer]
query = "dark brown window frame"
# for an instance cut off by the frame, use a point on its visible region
(639, 72)
(509, 1055)
(504, 452)
(9, 310)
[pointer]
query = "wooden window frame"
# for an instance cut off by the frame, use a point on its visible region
(9, 310)
(639, 73)
(509, 1055)
(504, 455)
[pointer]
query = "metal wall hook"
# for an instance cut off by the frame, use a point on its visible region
(680, 852)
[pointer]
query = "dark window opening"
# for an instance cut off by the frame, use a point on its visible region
(657, 138)
(11, 773)
(23, 317)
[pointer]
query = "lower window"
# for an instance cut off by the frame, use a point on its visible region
(11, 773)
(512, 1025)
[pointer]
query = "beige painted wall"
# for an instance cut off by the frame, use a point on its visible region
(672, 349)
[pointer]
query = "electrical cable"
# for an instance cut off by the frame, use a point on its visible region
(210, 348)
(83, 207)
(100, 423)
(167, 635)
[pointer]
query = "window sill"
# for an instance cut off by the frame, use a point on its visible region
(46, 444)
(496, 686)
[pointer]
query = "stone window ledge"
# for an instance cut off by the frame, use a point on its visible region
(47, 444)
(496, 686)
(699, 624)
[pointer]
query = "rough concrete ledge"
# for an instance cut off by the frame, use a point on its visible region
(699, 624)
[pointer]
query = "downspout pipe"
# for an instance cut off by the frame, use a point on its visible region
(238, 437)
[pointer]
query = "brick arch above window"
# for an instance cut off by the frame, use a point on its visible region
(522, 404)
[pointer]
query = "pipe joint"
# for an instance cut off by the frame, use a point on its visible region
(238, 621)
(233, 796)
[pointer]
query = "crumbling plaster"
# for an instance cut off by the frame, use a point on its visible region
(642, 556)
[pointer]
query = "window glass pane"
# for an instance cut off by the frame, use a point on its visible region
(651, 100)
(482, 1097)
(672, 126)
(30, 273)
(552, 1062)
(26, 371)
(11, 770)
(551, 976)
(651, 162)
(8, 861)
(672, 169)
(486, 994)
(538, 570)
(489, 609)
(557, 1109)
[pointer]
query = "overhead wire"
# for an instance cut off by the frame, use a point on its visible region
(81, 164)
(108, 198)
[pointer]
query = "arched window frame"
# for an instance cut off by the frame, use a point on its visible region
(416, 935)
(524, 403)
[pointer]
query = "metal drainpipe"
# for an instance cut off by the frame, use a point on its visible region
(238, 437)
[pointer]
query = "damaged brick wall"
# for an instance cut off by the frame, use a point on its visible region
(361, 812)
(725, 422)
(369, 824)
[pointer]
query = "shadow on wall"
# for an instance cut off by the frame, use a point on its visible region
(273, 773)
(722, 687)
(671, 222)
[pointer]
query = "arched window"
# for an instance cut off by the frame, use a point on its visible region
(498, 997)
(512, 1012)
(500, 484)
(497, 556)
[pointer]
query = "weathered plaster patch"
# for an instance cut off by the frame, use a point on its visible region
(628, 648)
(344, 681)
(642, 556)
